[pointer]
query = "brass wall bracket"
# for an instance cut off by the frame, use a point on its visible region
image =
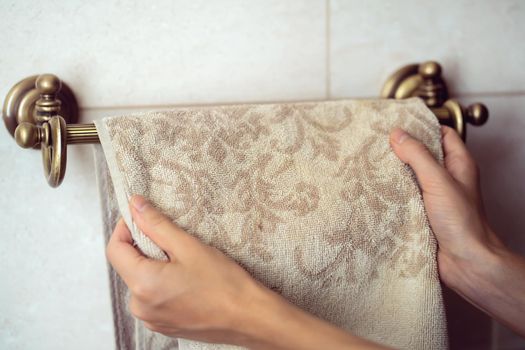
(40, 112)
(425, 81)
(36, 112)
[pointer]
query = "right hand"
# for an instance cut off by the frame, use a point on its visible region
(452, 199)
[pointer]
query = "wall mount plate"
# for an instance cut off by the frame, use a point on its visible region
(20, 102)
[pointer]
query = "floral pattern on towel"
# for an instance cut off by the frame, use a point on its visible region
(232, 178)
(308, 197)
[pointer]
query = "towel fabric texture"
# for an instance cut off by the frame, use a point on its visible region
(308, 197)
(130, 334)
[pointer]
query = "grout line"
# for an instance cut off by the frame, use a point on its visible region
(493, 335)
(225, 103)
(196, 104)
(491, 94)
(328, 68)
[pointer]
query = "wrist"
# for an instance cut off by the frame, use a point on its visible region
(264, 316)
(475, 269)
(271, 322)
(244, 318)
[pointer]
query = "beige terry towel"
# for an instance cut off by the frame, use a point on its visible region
(308, 197)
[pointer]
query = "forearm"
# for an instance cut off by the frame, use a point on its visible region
(495, 283)
(277, 324)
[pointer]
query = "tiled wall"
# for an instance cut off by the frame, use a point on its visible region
(128, 55)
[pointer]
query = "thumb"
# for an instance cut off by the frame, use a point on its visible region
(430, 174)
(125, 258)
(160, 229)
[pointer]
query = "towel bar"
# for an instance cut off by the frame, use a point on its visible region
(41, 112)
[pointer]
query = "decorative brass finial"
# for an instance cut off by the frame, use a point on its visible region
(432, 89)
(477, 114)
(430, 69)
(28, 135)
(48, 105)
(48, 84)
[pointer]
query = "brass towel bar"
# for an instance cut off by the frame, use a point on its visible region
(41, 112)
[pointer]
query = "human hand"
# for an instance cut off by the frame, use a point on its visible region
(471, 259)
(452, 199)
(199, 294)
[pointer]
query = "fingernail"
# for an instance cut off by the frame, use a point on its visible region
(400, 136)
(139, 203)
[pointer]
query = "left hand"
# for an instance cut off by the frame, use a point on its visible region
(203, 295)
(199, 294)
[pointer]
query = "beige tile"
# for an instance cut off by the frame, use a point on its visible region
(479, 43)
(499, 149)
(116, 53)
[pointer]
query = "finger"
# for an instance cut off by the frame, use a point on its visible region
(458, 160)
(123, 256)
(157, 226)
(430, 174)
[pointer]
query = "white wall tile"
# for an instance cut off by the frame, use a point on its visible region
(55, 290)
(479, 43)
(116, 53)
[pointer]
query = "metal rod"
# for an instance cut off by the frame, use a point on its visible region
(82, 133)
(443, 115)
(87, 133)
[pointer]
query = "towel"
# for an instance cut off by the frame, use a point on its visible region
(308, 197)
(130, 334)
